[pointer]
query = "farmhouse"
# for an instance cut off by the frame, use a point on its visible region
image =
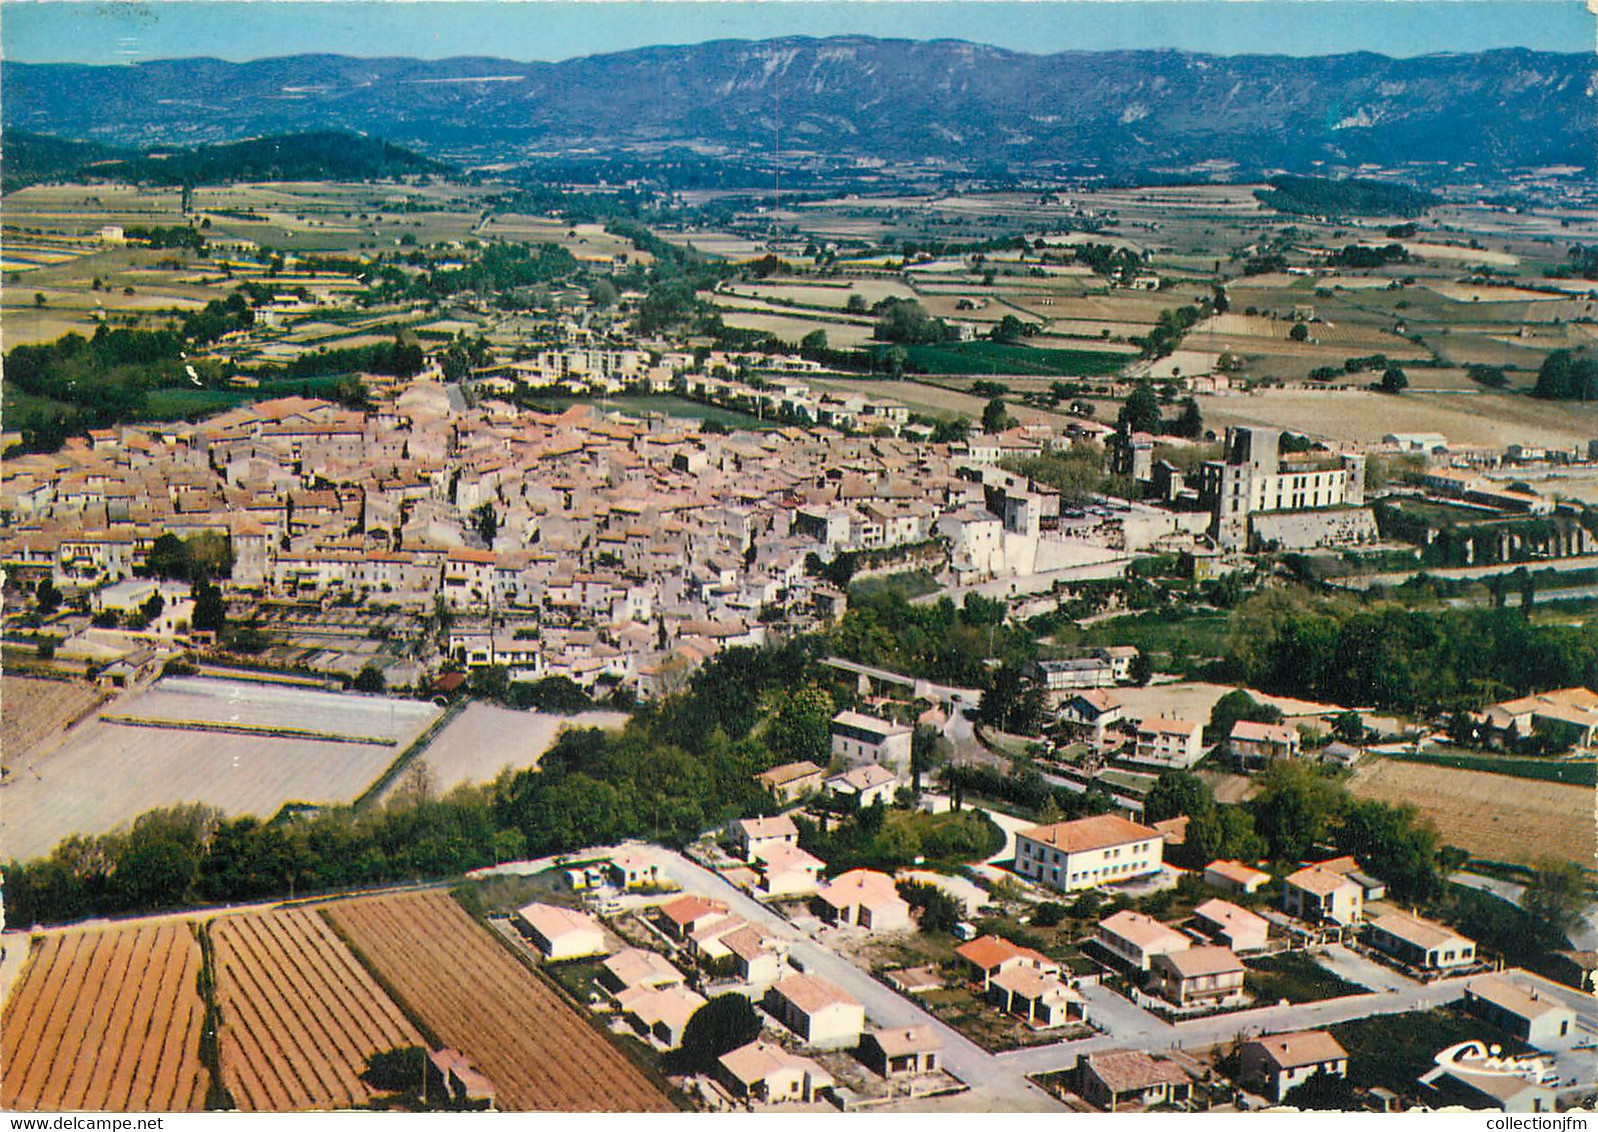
(861, 739)
(1234, 876)
(815, 1010)
(1418, 942)
(1073, 855)
(1118, 1078)
(1569, 713)
(1164, 742)
(561, 933)
(792, 781)
(1529, 1015)
(1322, 896)
(990, 955)
(1279, 1063)
(1091, 712)
(907, 1052)
(1256, 744)
(864, 785)
(751, 836)
(1238, 928)
(866, 899)
(1199, 976)
(1137, 938)
(762, 1071)
(467, 1087)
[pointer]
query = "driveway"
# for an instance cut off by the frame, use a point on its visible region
(1003, 1089)
(1011, 826)
(1361, 970)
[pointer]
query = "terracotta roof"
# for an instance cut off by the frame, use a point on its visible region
(988, 951)
(1319, 881)
(1128, 1071)
(1098, 832)
(1140, 930)
(756, 829)
(1229, 915)
(1303, 1047)
(911, 1039)
(686, 909)
(1195, 961)
(758, 1060)
(1415, 930)
(1236, 871)
(810, 994)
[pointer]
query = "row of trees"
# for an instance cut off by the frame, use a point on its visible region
(678, 768)
(1337, 649)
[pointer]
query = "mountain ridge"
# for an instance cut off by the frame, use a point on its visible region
(949, 102)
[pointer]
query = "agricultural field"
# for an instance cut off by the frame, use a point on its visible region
(484, 740)
(300, 1016)
(37, 710)
(1527, 821)
(1363, 416)
(465, 987)
(172, 751)
(106, 1020)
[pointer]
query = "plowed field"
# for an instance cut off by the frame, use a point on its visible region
(300, 1015)
(106, 1021)
(464, 986)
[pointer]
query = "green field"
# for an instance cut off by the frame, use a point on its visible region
(1391, 1050)
(1176, 633)
(1584, 773)
(1296, 977)
(1000, 357)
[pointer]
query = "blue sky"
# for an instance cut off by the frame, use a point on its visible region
(96, 32)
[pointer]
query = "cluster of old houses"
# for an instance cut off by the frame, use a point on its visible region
(666, 543)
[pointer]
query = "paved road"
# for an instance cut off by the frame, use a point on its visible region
(999, 1081)
(1202, 1033)
(1007, 1089)
(943, 693)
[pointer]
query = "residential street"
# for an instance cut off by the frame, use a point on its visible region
(1001, 1079)
(1006, 1088)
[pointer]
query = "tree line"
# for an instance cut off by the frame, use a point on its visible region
(679, 767)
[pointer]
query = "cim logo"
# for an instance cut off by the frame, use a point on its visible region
(1478, 1057)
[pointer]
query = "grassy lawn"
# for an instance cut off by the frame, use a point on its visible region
(999, 357)
(946, 841)
(1178, 633)
(1391, 1050)
(908, 585)
(1295, 977)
